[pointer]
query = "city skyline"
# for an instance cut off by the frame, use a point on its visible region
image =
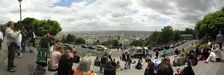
(111, 15)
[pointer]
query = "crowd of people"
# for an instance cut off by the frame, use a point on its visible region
(58, 57)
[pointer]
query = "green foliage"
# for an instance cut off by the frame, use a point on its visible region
(211, 24)
(40, 27)
(138, 42)
(111, 43)
(166, 36)
(96, 42)
(70, 38)
(201, 42)
(80, 41)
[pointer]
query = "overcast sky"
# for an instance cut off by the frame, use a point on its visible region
(101, 15)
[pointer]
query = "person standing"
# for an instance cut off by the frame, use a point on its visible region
(220, 39)
(24, 39)
(157, 54)
(19, 41)
(12, 36)
(126, 58)
(1, 38)
(65, 63)
(150, 69)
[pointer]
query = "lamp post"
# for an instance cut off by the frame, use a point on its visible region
(20, 9)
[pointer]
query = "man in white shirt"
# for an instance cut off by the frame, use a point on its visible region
(19, 48)
(11, 36)
(1, 39)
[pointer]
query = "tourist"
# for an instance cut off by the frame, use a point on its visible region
(1, 38)
(139, 65)
(177, 52)
(157, 54)
(43, 52)
(114, 63)
(126, 58)
(19, 45)
(156, 62)
(165, 68)
(187, 70)
(150, 68)
(192, 57)
(24, 39)
(55, 56)
(76, 58)
(118, 66)
(84, 68)
(97, 61)
(110, 69)
(165, 51)
(215, 53)
(103, 62)
(209, 44)
(12, 36)
(30, 40)
(220, 39)
(205, 52)
(66, 63)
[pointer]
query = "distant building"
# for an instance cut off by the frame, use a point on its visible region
(187, 36)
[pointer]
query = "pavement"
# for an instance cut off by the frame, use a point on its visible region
(26, 65)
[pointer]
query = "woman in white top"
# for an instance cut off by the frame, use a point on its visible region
(215, 54)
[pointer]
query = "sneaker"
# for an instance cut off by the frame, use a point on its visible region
(11, 70)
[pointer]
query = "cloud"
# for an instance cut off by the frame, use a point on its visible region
(100, 15)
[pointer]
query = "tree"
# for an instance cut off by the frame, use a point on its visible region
(111, 43)
(139, 42)
(80, 41)
(211, 24)
(70, 38)
(189, 31)
(96, 42)
(40, 27)
(166, 35)
(176, 35)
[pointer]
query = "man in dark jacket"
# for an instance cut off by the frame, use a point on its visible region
(110, 69)
(65, 64)
(187, 70)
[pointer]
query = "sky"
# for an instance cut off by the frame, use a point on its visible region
(112, 15)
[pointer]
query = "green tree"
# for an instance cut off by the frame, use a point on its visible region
(211, 24)
(166, 35)
(176, 35)
(111, 43)
(80, 41)
(40, 27)
(96, 42)
(70, 38)
(139, 42)
(189, 31)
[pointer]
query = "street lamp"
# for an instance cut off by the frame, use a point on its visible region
(20, 9)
